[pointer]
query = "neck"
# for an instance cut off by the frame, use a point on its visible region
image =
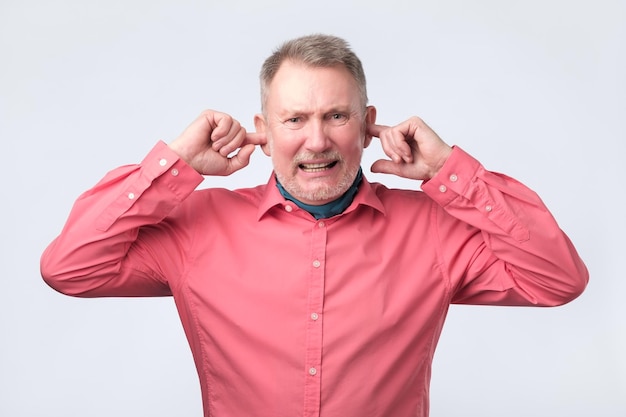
(327, 210)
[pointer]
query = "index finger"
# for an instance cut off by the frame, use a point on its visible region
(255, 139)
(393, 140)
(376, 130)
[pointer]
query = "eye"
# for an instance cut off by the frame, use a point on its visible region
(295, 122)
(337, 118)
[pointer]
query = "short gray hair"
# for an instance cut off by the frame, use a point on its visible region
(316, 51)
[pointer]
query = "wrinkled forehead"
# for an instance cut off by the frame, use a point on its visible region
(300, 85)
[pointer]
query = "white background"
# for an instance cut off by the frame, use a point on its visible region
(535, 89)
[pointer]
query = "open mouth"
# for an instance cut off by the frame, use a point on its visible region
(317, 167)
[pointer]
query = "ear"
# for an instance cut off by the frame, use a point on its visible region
(370, 119)
(261, 127)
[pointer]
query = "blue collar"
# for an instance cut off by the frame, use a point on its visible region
(329, 209)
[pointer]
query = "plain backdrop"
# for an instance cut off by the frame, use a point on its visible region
(535, 89)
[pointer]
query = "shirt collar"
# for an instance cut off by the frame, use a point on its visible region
(366, 196)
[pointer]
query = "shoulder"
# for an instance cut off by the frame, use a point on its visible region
(396, 197)
(212, 203)
(221, 196)
(414, 204)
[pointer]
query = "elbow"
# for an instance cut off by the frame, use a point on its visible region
(575, 277)
(580, 279)
(579, 287)
(50, 272)
(572, 288)
(66, 284)
(59, 278)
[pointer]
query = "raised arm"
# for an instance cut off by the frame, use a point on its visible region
(115, 241)
(522, 257)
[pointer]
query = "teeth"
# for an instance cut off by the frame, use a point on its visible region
(317, 167)
(314, 166)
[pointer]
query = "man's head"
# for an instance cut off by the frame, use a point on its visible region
(314, 51)
(315, 116)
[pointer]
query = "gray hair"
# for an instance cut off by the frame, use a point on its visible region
(315, 51)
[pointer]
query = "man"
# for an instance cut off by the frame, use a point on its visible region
(318, 293)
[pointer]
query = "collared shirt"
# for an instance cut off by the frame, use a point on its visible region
(291, 316)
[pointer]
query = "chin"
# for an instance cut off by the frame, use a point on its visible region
(321, 195)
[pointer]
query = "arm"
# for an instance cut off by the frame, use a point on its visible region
(522, 257)
(116, 241)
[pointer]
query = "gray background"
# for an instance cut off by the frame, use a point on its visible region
(535, 89)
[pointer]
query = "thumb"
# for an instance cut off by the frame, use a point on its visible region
(384, 166)
(242, 158)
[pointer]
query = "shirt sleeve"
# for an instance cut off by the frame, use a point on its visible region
(511, 250)
(98, 252)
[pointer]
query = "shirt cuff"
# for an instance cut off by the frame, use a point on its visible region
(162, 160)
(162, 171)
(454, 178)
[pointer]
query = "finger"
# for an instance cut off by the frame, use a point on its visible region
(397, 139)
(386, 144)
(376, 130)
(224, 124)
(241, 159)
(384, 166)
(255, 138)
(392, 142)
(402, 148)
(233, 140)
(384, 133)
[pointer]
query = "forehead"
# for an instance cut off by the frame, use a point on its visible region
(297, 84)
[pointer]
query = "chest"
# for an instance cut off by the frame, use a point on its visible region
(361, 276)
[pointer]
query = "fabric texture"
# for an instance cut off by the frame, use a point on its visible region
(289, 316)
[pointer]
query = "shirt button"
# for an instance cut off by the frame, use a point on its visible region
(175, 172)
(488, 208)
(163, 162)
(131, 196)
(316, 263)
(312, 371)
(288, 208)
(443, 188)
(453, 178)
(314, 316)
(321, 224)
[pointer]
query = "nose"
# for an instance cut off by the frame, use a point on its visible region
(317, 139)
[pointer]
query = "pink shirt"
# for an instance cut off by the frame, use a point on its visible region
(290, 316)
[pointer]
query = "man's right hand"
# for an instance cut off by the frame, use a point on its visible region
(208, 142)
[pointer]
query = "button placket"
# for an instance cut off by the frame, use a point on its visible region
(314, 320)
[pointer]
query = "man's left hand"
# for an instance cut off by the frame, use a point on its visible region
(415, 150)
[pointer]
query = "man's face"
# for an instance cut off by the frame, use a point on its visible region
(315, 125)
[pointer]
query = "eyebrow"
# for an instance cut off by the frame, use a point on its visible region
(346, 109)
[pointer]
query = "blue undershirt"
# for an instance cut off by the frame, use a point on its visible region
(327, 210)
